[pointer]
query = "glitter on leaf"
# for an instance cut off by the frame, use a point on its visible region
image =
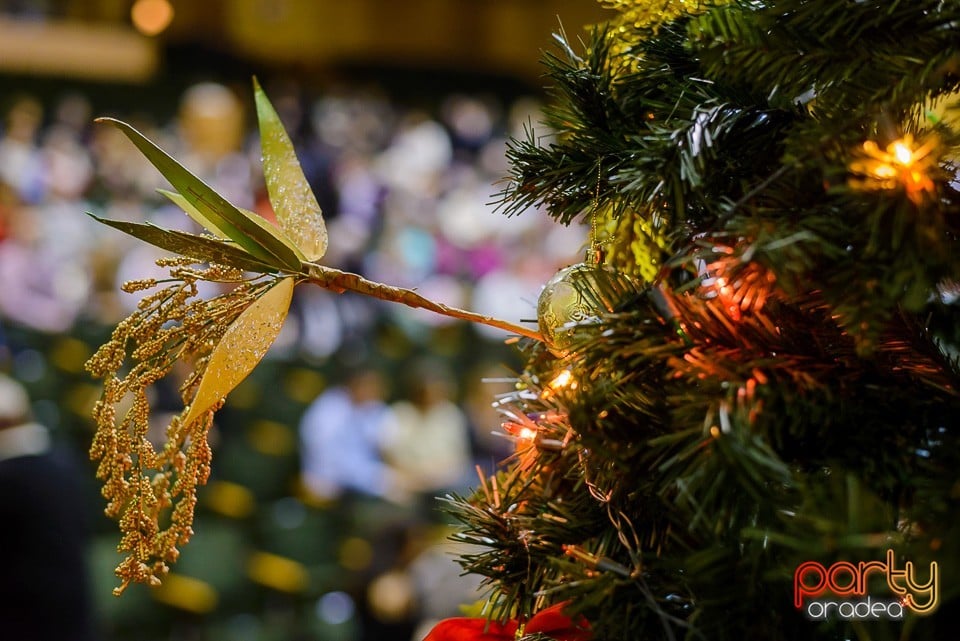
(294, 203)
(151, 488)
(243, 345)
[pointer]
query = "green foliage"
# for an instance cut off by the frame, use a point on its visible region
(785, 388)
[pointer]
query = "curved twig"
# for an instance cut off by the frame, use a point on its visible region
(341, 281)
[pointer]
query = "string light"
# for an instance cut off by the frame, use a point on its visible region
(740, 287)
(563, 380)
(902, 153)
(902, 164)
(527, 434)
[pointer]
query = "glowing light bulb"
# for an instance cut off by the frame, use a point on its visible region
(561, 380)
(885, 171)
(527, 434)
(900, 165)
(902, 153)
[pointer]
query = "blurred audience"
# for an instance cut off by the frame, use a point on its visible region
(427, 442)
(341, 437)
(406, 196)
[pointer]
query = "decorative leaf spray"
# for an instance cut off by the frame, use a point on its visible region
(151, 488)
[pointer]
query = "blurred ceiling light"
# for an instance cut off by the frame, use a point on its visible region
(78, 50)
(150, 17)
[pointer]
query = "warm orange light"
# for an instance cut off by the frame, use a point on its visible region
(885, 171)
(901, 164)
(527, 434)
(739, 287)
(902, 153)
(151, 17)
(561, 380)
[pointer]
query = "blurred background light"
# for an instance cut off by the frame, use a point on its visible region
(335, 607)
(151, 17)
(399, 112)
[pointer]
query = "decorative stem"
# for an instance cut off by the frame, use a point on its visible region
(341, 281)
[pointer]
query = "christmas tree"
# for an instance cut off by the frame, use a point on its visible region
(740, 423)
(736, 419)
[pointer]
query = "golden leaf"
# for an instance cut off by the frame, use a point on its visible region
(243, 345)
(294, 203)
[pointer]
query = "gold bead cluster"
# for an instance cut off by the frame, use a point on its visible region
(150, 483)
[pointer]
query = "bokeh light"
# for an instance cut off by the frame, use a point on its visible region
(151, 17)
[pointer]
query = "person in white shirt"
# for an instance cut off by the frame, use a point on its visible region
(341, 435)
(428, 440)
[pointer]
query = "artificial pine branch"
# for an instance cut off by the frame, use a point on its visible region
(783, 384)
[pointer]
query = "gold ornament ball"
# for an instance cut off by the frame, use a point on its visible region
(574, 295)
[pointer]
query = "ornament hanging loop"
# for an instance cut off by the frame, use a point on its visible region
(595, 254)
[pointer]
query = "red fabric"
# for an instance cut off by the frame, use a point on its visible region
(551, 622)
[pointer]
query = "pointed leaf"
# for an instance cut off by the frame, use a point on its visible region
(191, 245)
(193, 212)
(272, 229)
(206, 223)
(243, 345)
(294, 203)
(261, 243)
